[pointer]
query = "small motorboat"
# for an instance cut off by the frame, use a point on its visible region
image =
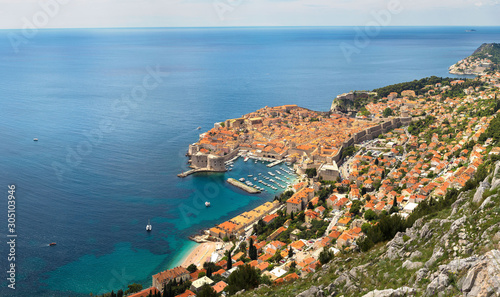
(52, 244)
(198, 128)
(149, 227)
(207, 204)
(35, 139)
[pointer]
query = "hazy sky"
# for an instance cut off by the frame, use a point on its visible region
(202, 13)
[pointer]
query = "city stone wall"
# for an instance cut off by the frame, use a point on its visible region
(371, 133)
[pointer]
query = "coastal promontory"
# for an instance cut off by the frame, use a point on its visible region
(484, 60)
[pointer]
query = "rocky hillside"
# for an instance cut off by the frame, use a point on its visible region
(488, 49)
(453, 252)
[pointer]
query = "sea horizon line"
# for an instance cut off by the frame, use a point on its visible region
(253, 27)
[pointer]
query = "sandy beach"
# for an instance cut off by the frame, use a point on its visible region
(200, 254)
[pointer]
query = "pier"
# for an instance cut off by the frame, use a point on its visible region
(275, 163)
(189, 172)
(186, 173)
(242, 186)
(233, 159)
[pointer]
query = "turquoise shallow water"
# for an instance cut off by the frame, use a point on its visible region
(64, 84)
(120, 267)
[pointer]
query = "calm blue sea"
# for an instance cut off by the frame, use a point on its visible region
(112, 139)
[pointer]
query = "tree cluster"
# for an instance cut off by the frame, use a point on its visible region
(419, 126)
(458, 89)
(349, 151)
(490, 51)
(388, 112)
(389, 225)
(244, 278)
(174, 288)
(311, 172)
(284, 196)
(417, 85)
(325, 256)
(493, 131)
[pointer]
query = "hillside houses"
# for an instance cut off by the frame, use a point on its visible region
(443, 148)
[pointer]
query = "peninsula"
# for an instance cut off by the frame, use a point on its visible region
(305, 138)
(484, 60)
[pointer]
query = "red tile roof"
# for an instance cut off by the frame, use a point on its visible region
(144, 292)
(186, 294)
(219, 287)
(170, 274)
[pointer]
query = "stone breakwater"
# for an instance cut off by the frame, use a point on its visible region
(242, 186)
(371, 133)
(192, 171)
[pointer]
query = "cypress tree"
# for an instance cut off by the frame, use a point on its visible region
(252, 250)
(168, 292)
(229, 261)
(394, 207)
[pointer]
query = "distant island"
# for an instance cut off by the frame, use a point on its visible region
(484, 60)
